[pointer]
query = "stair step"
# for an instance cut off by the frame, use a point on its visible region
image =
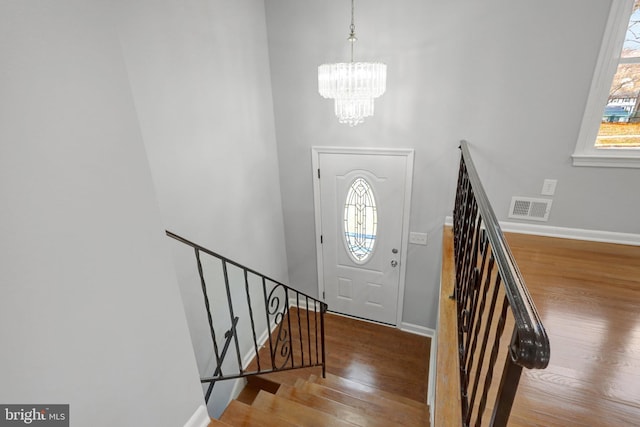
(296, 413)
(331, 407)
(358, 389)
(272, 381)
(249, 393)
(370, 403)
(238, 414)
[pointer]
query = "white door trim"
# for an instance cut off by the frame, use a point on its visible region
(406, 152)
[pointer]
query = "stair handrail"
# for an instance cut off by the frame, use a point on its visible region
(532, 349)
(278, 321)
(479, 243)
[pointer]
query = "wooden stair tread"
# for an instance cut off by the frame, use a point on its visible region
(336, 409)
(371, 404)
(272, 380)
(239, 414)
(357, 389)
(296, 413)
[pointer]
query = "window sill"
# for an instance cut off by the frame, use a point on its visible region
(614, 159)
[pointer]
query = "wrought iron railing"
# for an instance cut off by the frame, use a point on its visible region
(491, 297)
(292, 323)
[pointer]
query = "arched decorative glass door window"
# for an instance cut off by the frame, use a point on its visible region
(360, 220)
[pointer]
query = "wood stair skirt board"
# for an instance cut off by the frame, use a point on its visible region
(316, 401)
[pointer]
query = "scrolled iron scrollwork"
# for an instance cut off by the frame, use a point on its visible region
(278, 308)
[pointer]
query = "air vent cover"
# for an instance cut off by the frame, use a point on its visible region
(530, 209)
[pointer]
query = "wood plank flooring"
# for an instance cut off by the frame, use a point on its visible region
(588, 296)
(371, 354)
(379, 356)
(376, 376)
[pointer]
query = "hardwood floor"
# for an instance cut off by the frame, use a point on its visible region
(588, 296)
(371, 354)
(379, 356)
(374, 355)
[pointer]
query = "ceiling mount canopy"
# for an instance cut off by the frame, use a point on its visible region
(353, 85)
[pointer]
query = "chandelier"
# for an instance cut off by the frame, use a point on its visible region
(353, 85)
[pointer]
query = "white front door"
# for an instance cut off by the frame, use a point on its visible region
(361, 213)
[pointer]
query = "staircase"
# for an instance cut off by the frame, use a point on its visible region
(287, 399)
(285, 381)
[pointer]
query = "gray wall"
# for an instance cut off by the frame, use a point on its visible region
(90, 312)
(199, 72)
(510, 77)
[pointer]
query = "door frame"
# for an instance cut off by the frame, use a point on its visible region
(405, 152)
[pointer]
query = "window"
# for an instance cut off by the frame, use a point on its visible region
(360, 220)
(610, 131)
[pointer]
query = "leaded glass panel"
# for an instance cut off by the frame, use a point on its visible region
(360, 220)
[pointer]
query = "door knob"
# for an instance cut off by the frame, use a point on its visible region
(394, 263)
(394, 250)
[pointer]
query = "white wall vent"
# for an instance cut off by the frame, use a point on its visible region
(531, 209)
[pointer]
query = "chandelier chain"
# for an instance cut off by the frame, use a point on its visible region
(353, 24)
(352, 35)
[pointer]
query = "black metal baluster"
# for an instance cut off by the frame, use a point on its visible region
(208, 307)
(308, 330)
(508, 387)
(485, 341)
(466, 281)
(231, 315)
(492, 361)
(466, 252)
(323, 309)
(478, 325)
(474, 306)
(286, 299)
(218, 370)
(469, 254)
(315, 319)
(266, 306)
(300, 328)
(253, 326)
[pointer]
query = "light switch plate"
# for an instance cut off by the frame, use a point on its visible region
(549, 187)
(418, 238)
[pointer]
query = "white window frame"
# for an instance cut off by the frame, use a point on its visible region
(585, 153)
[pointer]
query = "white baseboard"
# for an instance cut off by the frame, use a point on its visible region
(433, 366)
(431, 333)
(572, 233)
(417, 329)
(294, 303)
(566, 232)
(200, 418)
